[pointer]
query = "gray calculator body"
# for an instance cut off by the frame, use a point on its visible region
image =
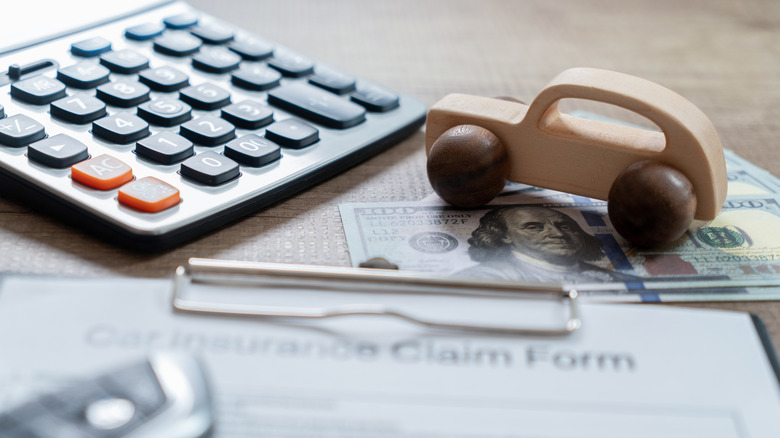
(202, 207)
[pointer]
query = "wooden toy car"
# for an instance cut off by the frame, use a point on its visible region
(656, 183)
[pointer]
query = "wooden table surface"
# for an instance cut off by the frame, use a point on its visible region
(722, 55)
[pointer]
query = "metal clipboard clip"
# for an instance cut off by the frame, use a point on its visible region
(365, 282)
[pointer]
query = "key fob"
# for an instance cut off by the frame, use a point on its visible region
(165, 395)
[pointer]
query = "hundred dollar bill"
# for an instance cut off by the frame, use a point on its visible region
(736, 256)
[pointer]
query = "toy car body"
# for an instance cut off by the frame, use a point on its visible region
(550, 149)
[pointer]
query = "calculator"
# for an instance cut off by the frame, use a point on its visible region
(166, 395)
(158, 125)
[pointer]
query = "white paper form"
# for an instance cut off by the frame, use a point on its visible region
(631, 371)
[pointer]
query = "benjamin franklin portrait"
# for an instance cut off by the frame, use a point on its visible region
(535, 243)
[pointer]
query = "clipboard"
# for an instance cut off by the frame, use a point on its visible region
(628, 370)
(219, 273)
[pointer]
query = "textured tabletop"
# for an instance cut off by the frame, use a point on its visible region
(722, 55)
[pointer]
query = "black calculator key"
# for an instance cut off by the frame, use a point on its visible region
(165, 112)
(256, 77)
(178, 44)
(143, 32)
(253, 150)
(38, 90)
(375, 99)
(291, 64)
(212, 34)
(208, 131)
(216, 60)
(59, 151)
(181, 21)
(332, 80)
(205, 96)
(252, 49)
(317, 105)
(121, 128)
(124, 61)
(248, 114)
(124, 93)
(78, 108)
(292, 133)
(210, 168)
(164, 79)
(83, 75)
(19, 130)
(165, 147)
(90, 47)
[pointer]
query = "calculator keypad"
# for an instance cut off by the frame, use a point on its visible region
(205, 96)
(185, 102)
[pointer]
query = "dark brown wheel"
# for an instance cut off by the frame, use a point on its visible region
(467, 166)
(651, 204)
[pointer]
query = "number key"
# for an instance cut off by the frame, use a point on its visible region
(165, 112)
(248, 114)
(164, 79)
(253, 150)
(208, 131)
(255, 77)
(165, 147)
(210, 168)
(123, 93)
(79, 108)
(121, 128)
(205, 96)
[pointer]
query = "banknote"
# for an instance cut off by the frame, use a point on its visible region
(736, 256)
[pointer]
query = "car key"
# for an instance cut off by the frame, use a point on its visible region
(164, 396)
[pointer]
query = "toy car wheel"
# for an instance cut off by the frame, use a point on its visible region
(467, 166)
(651, 204)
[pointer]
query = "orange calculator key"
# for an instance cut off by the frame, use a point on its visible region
(103, 172)
(149, 194)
